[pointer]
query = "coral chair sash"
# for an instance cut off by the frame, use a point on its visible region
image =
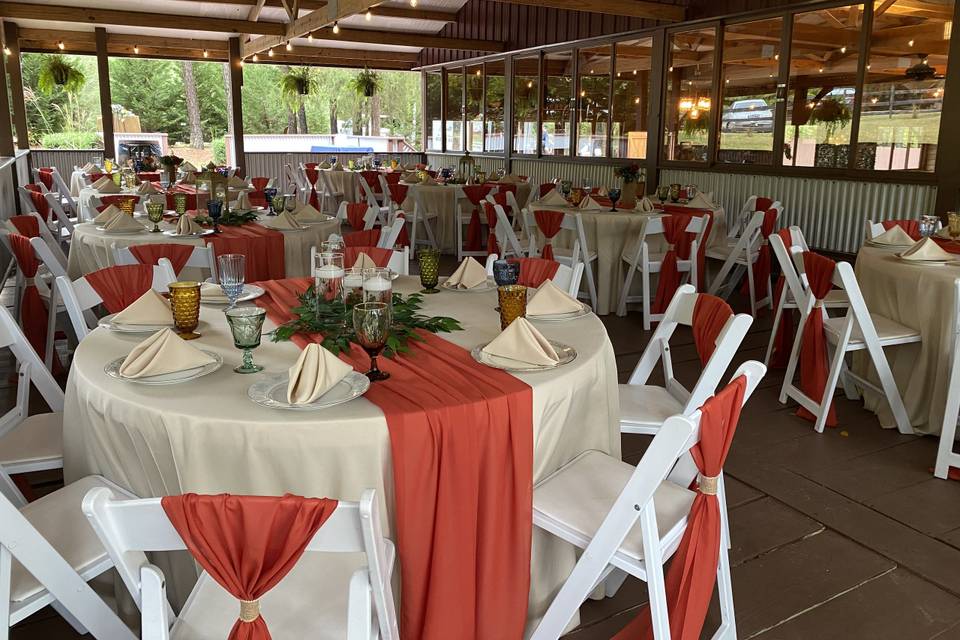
(475, 193)
(398, 192)
(177, 254)
(491, 228)
(368, 238)
(710, 315)
(911, 227)
(761, 268)
(678, 241)
(33, 312)
(313, 174)
(814, 362)
(462, 455)
(259, 183)
(45, 175)
(121, 285)
(535, 271)
(762, 203)
(380, 256)
(549, 224)
(355, 214)
(693, 569)
(247, 544)
(148, 176)
(40, 204)
(26, 225)
(783, 342)
(372, 178)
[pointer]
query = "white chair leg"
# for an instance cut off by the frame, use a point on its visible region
(625, 292)
(948, 430)
(6, 564)
(833, 376)
(69, 617)
(613, 582)
(890, 389)
(645, 276)
(591, 285)
(777, 318)
(752, 290)
(51, 329)
(656, 587)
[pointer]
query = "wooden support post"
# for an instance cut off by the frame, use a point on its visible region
(6, 132)
(12, 39)
(106, 102)
(236, 86)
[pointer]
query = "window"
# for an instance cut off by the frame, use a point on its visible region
(631, 88)
(433, 114)
(822, 88)
(751, 70)
(493, 137)
(903, 92)
(689, 86)
(475, 108)
(455, 110)
(59, 119)
(557, 103)
(593, 111)
(526, 91)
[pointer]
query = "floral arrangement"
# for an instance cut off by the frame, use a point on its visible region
(58, 71)
(326, 317)
(628, 172)
(171, 161)
(834, 114)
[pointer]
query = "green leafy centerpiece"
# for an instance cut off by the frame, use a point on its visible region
(326, 317)
(233, 218)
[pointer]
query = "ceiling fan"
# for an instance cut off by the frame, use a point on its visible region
(922, 70)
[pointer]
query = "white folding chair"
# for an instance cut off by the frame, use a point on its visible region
(738, 258)
(640, 258)
(201, 258)
(79, 297)
(565, 278)
(371, 197)
(330, 198)
(857, 330)
(509, 243)
(787, 303)
(462, 220)
(332, 591)
(873, 229)
(631, 519)
(399, 260)
(64, 221)
(61, 188)
(735, 227)
(390, 234)
(946, 456)
(294, 182)
(580, 252)
(644, 407)
(422, 215)
(370, 218)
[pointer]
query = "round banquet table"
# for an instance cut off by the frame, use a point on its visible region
(206, 436)
(346, 183)
(91, 249)
(922, 298)
(446, 201)
(609, 234)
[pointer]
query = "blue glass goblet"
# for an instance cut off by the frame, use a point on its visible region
(215, 210)
(614, 195)
(270, 194)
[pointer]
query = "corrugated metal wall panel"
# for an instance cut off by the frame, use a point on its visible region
(596, 175)
(271, 164)
(63, 159)
(830, 212)
(438, 161)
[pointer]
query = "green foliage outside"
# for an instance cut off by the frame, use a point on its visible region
(71, 140)
(153, 90)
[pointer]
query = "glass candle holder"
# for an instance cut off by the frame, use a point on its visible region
(429, 261)
(116, 177)
(953, 224)
(513, 303)
(328, 273)
(246, 326)
(180, 203)
(663, 192)
(155, 215)
(377, 286)
(353, 286)
(332, 246)
(185, 303)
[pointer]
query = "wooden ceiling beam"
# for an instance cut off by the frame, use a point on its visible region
(305, 5)
(308, 23)
(413, 14)
(85, 15)
(408, 39)
(631, 8)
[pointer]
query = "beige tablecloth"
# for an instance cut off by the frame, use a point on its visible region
(922, 298)
(91, 249)
(608, 234)
(346, 183)
(206, 436)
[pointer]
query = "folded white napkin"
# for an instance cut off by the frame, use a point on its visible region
(427, 179)
(284, 221)
(366, 262)
(187, 166)
(926, 250)
(551, 299)
(336, 167)
(147, 189)
(523, 343)
(236, 182)
(703, 201)
(307, 213)
(91, 168)
(315, 372)
(468, 275)
(107, 215)
(553, 199)
(589, 204)
(324, 165)
(187, 226)
(510, 179)
(409, 176)
(644, 205)
(109, 187)
(101, 181)
(212, 292)
(894, 236)
(188, 178)
(163, 352)
(150, 308)
(123, 224)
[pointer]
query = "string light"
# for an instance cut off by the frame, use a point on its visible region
(310, 37)
(336, 28)
(413, 3)
(206, 54)
(136, 49)
(255, 57)
(873, 100)
(843, 49)
(478, 72)
(289, 46)
(910, 43)
(530, 84)
(369, 15)
(61, 46)
(776, 56)
(634, 72)
(6, 51)
(270, 52)
(820, 70)
(636, 101)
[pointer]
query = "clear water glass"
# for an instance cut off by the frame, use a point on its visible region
(378, 286)
(232, 268)
(328, 273)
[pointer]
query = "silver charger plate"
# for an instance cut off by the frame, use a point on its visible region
(887, 246)
(173, 233)
(561, 317)
(271, 392)
(108, 323)
(924, 262)
(124, 232)
(112, 369)
(489, 286)
(250, 292)
(566, 353)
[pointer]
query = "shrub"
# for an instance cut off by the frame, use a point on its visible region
(219, 146)
(72, 140)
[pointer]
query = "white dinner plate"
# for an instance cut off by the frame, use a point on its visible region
(561, 317)
(173, 233)
(113, 370)
(489, 286)
(566, 353)
(272, 392)
(108, 323)
(250, 292)
(924, 262)
(898, 247)
(125, 232)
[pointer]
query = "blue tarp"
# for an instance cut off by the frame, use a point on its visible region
(324, 149)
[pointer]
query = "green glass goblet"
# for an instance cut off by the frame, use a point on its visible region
(180, 203)
(155, 215)
(246, 325)
(429, 260)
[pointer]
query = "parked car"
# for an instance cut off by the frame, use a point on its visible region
(748, 115)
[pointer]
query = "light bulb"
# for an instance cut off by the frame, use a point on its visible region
(61, 46)
(634, 72)
(206, 54)
(530, 84)
(820, 70)
(843, 49)
(336, 27)
(136, 49)
(910, 43)
(270, 52)
(369, 15)
(310, 37)
(255, 57)
(289, 46)
(636, 101)
(413, 3)
(6, 51)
